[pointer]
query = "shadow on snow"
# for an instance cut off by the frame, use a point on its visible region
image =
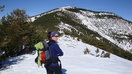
(7, 64)
(64, 71)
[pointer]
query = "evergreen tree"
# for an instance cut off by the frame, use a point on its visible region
(17, 35)
(2, 7)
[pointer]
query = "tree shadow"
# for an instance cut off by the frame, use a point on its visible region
(64, 71)
(7, 64)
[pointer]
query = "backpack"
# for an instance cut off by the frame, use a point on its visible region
(43, 53)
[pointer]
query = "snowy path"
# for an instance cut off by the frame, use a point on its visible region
(73, 62)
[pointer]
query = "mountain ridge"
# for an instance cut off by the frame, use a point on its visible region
(104, 31)
(72, 7)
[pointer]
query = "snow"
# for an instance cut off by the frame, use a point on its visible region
(87, 21)
(67, 7)
(74, 61)
(107, 27)
(32, 19)
(65, 26)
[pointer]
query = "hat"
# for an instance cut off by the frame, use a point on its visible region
(52, 34)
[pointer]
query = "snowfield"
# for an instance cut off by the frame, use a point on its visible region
(74, 61)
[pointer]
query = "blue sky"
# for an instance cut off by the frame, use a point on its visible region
(122, 8)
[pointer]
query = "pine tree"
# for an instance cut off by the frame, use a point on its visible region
(16, 33)
(2, 7)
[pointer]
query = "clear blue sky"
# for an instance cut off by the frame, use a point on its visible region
(122, 8)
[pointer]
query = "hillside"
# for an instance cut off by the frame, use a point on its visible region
(101, 29)
(74, 61)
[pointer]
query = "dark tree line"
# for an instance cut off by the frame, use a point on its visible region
(17, 34)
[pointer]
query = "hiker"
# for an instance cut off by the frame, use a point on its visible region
(54, 67)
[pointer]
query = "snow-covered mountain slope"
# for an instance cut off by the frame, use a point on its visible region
(108, 25)
(74, 61)
(113, 27)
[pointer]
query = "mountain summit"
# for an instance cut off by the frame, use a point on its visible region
(104, 30)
